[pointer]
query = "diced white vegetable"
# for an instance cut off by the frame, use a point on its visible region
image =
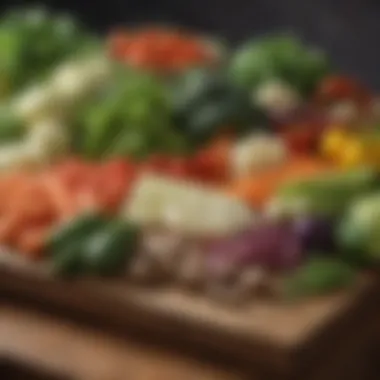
(47, 139)
(257, 152)
(186, 207)
(12, 156)
(276, 97)
(70, 82)
(35, 103)
(75, 79)
(19, 156)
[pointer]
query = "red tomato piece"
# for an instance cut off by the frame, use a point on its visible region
(302, 138)
(155, 163)
(75, 174)
(178, 167)
(114, 182)
(119, 167)
(212, 162)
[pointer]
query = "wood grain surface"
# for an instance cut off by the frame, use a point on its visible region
(85, 354)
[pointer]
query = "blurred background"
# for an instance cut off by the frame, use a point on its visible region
(347, 29)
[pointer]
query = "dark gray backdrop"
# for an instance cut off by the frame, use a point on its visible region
(348, 29)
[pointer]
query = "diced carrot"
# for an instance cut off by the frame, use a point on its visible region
(31, 241)
(33, 203)
(10, 227)
(86, 199)
(64, 202)
(256, 190)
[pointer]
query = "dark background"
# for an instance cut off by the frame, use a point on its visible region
(349, 30)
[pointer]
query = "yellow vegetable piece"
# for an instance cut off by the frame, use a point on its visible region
(333, 142)
(353, 153)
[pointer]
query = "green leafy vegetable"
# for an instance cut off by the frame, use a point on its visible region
(132, 118)
(11, 127)
(203, 102)
(279, 57)
(33, 41)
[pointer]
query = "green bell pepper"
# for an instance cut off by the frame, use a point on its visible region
(91, 244)
(73, 230)
(108, 251)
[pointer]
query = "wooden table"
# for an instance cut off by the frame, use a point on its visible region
(84, 354)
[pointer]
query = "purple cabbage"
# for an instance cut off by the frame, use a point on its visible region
(274, 246)
(316, 233)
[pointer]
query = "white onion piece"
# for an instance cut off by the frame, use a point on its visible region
(276, 97)
(187, 207)
(257, 152)
(75, 79)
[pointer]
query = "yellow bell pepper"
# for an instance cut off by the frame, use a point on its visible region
(352, 154)
(333, 141)
(351, 149)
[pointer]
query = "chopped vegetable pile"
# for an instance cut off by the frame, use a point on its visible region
(163, 156)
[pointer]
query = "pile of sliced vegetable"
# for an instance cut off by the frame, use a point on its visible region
(163, 156)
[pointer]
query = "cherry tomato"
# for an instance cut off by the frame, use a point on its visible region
(177, 167)
(335, 88)
(302, 138)
(213, 160)
(118, 44)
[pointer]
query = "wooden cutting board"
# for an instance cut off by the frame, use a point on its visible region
(36, 346)
(290, 341)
